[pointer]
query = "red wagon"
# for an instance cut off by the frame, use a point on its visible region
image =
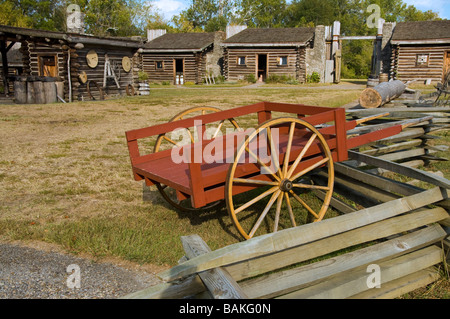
(261, 172)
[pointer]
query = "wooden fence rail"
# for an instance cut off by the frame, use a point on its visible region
(401, 231)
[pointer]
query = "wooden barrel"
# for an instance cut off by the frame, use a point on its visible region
(50, 92)
(20, 92)
(384, 77)
(39, 93)
(30, 92)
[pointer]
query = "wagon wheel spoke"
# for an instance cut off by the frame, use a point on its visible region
(278, 211)
(167, 192)
(273, 153)
(288, 149)
(310, 168)
(299, 185)
(169, 140)
(291, 213)
(242, 178)
(256, 199)
(191, 136)
(261, 163)
(300, 156)
(254, 182)
(264, 213)
(218, 128)
(302, 202)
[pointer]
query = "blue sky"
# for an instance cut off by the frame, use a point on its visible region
(172, 7)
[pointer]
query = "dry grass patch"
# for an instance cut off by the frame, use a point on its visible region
(65, 174)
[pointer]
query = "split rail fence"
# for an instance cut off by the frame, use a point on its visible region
(394, 222)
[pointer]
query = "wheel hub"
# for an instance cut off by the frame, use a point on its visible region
(286, 185)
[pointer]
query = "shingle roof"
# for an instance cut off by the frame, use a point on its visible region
(12, 32)
(272, 36)
(422, 30)
(181, 41)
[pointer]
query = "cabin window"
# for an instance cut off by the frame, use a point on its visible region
(422, 59)
(159, 65)
(282, 60)
(48, 65)
(241, 60)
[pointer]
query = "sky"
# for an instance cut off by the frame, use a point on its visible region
(170, 8)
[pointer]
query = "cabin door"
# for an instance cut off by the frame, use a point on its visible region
(261, 67)
(446, 64)
(178, 71)
(48, 66)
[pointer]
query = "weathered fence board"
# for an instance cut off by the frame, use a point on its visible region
(219, 282)
(276, 242)
(354, 282)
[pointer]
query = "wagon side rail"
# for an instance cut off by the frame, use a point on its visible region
(318, 116)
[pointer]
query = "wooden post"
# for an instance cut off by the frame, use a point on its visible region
(341, 134)
(335, 49)
(378, 47)
(4, 52)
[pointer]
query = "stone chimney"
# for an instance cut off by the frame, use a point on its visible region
(234, 29)
(153, 34)
(74, 19)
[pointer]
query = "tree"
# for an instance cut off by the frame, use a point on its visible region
(261, 13)
(216, 13)
(353, 15)
(12, 16)
(310, 12)
(47, 15)
(183, 24)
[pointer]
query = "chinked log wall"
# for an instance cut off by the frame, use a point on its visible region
(295, 62)
(78, 64)
(404, 62)
(194, 66)
(96, 74)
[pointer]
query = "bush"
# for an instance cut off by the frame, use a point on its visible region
(165, 82)
(313, 78)
(143, 76)
(283, 79)
(250, 78)
(220, 79)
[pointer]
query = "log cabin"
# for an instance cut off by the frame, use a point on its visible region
(84, 66)
(177, 58)
(420, 50)
(266, 52)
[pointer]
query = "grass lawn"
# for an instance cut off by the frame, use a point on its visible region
(65, 174)
(66, 177)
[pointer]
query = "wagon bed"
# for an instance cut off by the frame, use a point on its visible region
(313, 137)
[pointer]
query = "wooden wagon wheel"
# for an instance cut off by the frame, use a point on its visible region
(168, 193)
(130, 90)
(278, 184)
(99, 89)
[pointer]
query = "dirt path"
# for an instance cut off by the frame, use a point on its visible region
(33, 273)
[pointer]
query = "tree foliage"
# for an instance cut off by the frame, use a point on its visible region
(134, 17)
